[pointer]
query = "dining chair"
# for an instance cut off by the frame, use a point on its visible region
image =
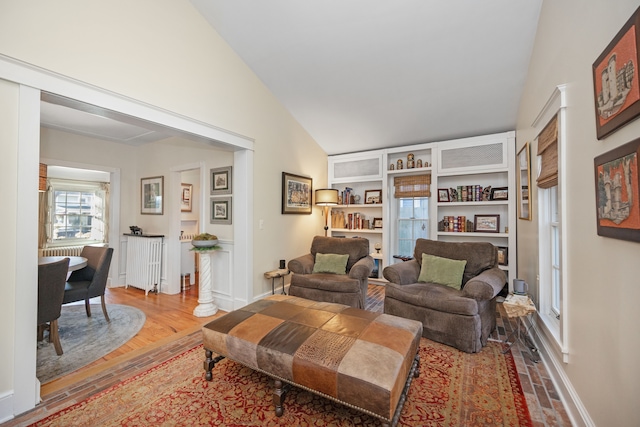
(90, 281)
(51, 283)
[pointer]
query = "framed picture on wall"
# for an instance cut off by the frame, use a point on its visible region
(221, 210)
(618, 192)
(221, 180)
(296, 194)
(185, 197)
(151, 192)
(616, 80)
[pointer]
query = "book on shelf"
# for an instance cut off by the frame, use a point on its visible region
(468, 193)
(454, 224)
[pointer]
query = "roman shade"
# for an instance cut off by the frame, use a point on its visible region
(412, 186)
(548, 152)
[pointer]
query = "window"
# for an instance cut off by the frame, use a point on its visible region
(77, 212)
(550, 258)
(550, 251)
(413, 223)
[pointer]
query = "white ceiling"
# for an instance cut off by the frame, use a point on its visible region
(364, 74)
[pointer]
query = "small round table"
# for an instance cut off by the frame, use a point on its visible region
(75, 262)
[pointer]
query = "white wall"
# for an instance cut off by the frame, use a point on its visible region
(603, 291)
(163, 53)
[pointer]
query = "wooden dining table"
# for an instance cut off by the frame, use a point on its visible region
(75, 262)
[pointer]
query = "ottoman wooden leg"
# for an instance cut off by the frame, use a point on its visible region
(278, 396)
(210, 363)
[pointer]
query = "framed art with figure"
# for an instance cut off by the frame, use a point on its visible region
(616, 80)
(296, 194)
(151, 192)
(618, 192)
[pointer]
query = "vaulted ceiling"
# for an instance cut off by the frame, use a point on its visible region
(367, 74)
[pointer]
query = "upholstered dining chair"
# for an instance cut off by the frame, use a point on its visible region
(90, 281)
(51, 283)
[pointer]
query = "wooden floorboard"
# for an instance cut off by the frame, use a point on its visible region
(169, 317)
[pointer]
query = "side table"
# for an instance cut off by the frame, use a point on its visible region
(520, 307)
(275, 274)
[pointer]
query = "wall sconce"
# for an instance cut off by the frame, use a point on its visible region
(326, 197)
(42, 179)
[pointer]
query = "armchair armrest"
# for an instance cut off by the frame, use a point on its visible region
(403, 273)
(486, 285)
(362, 268)
(302, 265)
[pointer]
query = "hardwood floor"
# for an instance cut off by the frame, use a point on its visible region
(169, 317)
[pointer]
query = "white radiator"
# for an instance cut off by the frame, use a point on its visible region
(144, 263)
(61, 251)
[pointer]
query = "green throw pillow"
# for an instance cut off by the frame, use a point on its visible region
(444, 271)
(331, 263)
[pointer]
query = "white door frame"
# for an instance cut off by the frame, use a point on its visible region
(33, 81)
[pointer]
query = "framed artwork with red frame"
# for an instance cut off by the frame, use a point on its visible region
(616, 80)
(618, 192)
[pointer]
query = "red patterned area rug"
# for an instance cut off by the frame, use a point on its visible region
(453, 389)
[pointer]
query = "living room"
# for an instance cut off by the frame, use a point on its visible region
(596, 370)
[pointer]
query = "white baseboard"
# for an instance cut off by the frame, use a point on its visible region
(6, 407)
(573, 405)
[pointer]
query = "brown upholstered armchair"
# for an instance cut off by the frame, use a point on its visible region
(461, 318)
(90, 281)
(348, 288)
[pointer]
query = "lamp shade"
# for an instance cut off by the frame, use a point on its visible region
(326, 197)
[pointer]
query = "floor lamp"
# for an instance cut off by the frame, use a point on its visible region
(326, 197)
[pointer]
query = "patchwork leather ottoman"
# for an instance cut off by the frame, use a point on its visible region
(362, 359)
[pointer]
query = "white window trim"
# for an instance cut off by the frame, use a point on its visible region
(556, 105)
(82, 186)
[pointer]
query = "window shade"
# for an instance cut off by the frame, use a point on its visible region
(548, 151)
(412, 186)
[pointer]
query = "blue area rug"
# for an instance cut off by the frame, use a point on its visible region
(86, 339)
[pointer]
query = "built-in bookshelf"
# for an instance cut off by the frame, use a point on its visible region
(472, 186)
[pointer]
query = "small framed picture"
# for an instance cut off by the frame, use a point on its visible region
(151, 192)
(221, 210)
(499, 193)
(185, 197)
(372, 197)
(443, 195)
(486, 223)
(377, 222)
(503, 255)
(297, 194)
(221, 180)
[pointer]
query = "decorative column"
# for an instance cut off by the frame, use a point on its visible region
(205, 307)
